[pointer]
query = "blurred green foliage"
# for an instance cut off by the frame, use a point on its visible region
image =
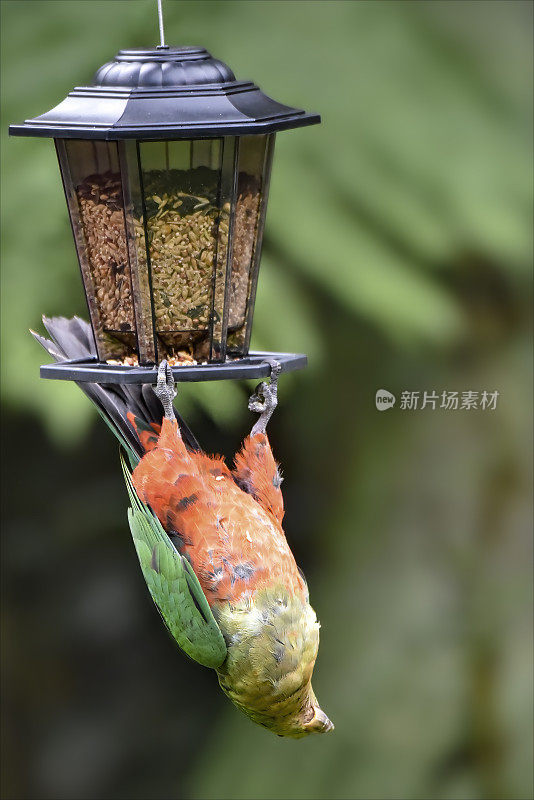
(397, 255)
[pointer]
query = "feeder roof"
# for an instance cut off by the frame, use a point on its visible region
(165, 93)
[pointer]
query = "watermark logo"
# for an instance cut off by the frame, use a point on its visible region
(384, 400)
(445, 400)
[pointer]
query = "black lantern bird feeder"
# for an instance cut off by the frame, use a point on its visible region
(165, 161)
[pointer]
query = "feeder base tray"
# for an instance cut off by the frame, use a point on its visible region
(255, 365)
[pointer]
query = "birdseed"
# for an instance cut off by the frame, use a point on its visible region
(246, 216)
(101, 209)
(187, 237)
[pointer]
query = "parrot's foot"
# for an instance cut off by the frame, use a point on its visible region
(165, 390)
(265, 399)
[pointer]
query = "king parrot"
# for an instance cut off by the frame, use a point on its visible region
(210, 544)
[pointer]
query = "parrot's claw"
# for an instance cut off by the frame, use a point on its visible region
(165, 389)
(265, 399)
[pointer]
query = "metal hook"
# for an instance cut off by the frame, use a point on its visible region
(162, 44)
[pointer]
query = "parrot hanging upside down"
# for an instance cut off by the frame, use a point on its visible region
(211, 545)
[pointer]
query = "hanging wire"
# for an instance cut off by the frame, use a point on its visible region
(161, 31)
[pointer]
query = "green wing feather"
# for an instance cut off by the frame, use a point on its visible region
(173, 585)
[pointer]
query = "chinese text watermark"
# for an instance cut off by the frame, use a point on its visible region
(445, 400)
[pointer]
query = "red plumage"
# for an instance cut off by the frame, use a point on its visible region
(199, 500)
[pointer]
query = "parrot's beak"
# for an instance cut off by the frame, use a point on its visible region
(319, 723)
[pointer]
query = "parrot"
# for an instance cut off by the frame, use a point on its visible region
(210, 543)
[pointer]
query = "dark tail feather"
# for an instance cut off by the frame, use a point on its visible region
(73, 339)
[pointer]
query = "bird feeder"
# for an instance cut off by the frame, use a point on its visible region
(165, 161)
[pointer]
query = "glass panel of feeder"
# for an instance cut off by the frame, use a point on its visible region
(92, 174)
(255, 156)
(181, 185)
(137, 250)
(224, 233)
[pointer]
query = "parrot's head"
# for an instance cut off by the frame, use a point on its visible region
(272, 646)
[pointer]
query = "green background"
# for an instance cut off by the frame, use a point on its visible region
(398, 256)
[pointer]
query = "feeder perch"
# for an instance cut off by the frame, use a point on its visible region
(165, 162)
